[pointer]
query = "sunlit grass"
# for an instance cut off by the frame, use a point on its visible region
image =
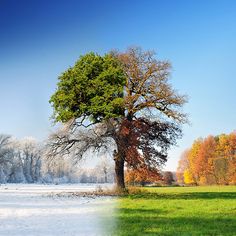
(178, 211)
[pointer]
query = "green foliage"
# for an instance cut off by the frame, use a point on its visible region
(132, 86)
(177, 211)
(92, 89)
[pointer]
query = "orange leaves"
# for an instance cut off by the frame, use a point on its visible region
(141, 176)
(124, 131)
(144, 143)
(209, 161)
(147, 85)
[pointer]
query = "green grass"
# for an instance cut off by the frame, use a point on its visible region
(178, 211)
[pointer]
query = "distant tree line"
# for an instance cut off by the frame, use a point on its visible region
(26, 161)
(20, 161)
(209, 161)
(142, 177)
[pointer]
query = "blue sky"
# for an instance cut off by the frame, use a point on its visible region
(40, 39)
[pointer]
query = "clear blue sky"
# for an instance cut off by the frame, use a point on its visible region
(40, 39)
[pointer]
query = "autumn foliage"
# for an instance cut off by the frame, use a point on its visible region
(141, 176)
(145, 143)
(121, 101)
(209, 161)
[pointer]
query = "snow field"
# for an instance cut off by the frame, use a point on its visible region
(34, 210)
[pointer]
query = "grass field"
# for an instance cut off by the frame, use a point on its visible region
(178, 211)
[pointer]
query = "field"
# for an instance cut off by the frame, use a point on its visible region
(47, 210)
(37, 210)
(178, 211)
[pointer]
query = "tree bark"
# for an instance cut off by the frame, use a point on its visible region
(119, 170)
(119, 158)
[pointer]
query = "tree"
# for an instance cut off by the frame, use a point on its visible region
(211, 160)
(6, 157)
(59, 170)
(104, 170)
(205, 161)
(183, 165)
(5, 150)
(120, 100)
(141, 176)
(168, 178)
(232, 158)
(193, 174)
(30, 155)
(188, 177)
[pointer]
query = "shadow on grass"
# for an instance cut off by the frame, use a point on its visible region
(187, 196)
(152, 222)
(141, 211)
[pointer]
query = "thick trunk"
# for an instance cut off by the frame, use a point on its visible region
(119, 155)
(119, 170)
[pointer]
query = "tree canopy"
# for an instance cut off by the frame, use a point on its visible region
(211, 160)
(91, 89)
(124, 97)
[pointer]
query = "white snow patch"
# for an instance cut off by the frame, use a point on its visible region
(25, 210)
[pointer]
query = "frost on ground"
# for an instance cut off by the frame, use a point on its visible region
(32, 210)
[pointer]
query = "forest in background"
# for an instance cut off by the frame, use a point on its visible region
(26, 161)
(209, 161)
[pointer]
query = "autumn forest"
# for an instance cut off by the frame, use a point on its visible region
(209, 161)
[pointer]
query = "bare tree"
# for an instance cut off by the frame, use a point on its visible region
(6, 157)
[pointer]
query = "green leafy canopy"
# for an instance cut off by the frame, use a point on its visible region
(92, 88)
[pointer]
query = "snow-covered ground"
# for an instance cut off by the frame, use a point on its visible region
(36, 210)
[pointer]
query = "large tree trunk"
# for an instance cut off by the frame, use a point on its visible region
(119, 170)
(119, 156)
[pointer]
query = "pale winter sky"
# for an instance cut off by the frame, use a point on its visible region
(40, 39)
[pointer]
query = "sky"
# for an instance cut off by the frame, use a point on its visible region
(40, 39)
